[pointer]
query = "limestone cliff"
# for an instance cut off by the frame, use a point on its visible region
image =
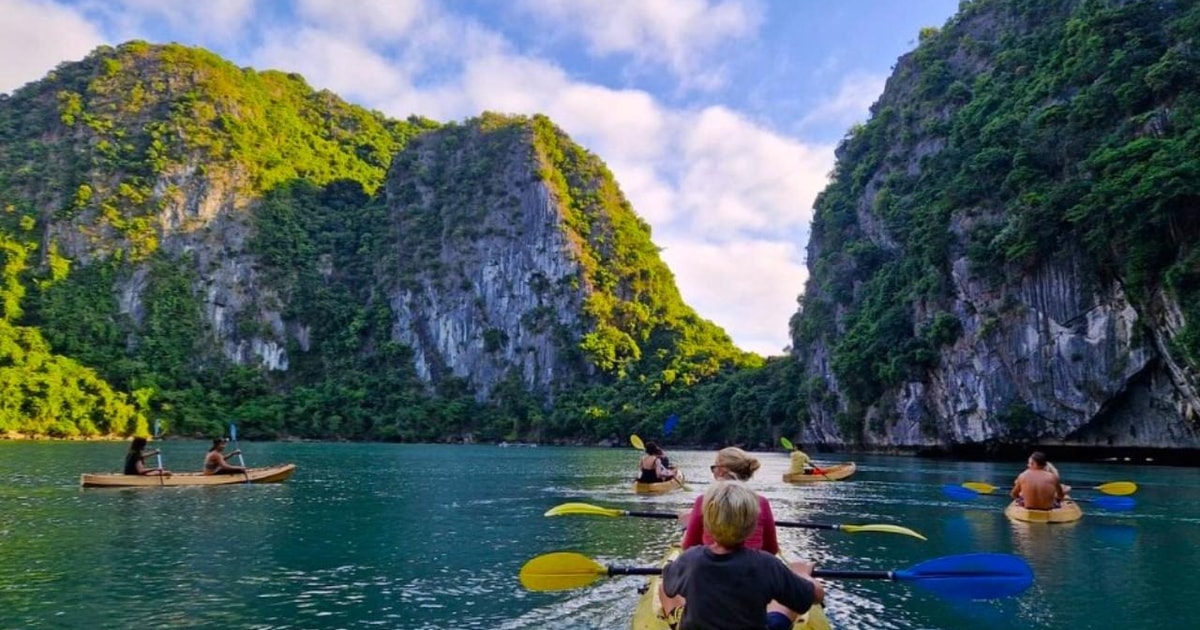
(1006, 252)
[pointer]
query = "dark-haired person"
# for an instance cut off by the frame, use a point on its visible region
(135, 463)
(652, 466)
(1038, 487)
(214, 462)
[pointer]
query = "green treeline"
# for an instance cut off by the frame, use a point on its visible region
(1020, 127)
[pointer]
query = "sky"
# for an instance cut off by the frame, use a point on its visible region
(718, 117)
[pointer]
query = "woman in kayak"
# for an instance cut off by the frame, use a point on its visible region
(733, 464)
(135, 460)
(214, 462)
(653, 465)
(712, 578)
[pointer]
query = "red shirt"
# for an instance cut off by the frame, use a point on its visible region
(763, 536)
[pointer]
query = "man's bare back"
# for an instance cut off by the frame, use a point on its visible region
(1037, 488)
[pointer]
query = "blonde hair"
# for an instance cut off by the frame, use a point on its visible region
(738, 462)
(730, 512)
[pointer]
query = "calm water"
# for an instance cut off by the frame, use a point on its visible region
(402, 536)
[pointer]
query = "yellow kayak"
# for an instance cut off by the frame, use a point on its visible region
(271, 474)
(828, 473)
(646, 615)
(660, 487)
(1067, 513)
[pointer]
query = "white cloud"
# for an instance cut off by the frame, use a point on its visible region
(369, 19)
(747, 286)
(327, 61)
(37, 35)
(207, 21)
(740, 177)
(677, 33)
(850, 105)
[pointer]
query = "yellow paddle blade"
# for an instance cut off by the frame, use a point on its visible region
(980, 487)
(786, 443)
(560, 571)
(637, 442)
(583, 508)
(1118, 488)
(885, 529)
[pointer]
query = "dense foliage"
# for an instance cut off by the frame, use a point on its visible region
(1019, 127)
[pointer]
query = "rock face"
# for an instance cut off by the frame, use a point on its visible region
(494, 286)
(1054, 349)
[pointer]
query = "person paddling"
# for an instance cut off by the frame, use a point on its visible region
(1037, 488)
(652, 466)
(135, 460)
(728, 585)
(214, 462)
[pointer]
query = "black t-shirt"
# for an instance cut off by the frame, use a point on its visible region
(731, 591)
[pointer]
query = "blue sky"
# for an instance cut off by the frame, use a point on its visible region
(718, 117)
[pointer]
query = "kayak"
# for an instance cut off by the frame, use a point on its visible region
(660, 487)
(831, 473)
(646, 615)
(1067, 513)
(270, 474)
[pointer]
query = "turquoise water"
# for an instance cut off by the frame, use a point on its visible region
(410, 536)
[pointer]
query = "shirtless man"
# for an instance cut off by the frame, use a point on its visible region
(1037, 488)
(215, 464)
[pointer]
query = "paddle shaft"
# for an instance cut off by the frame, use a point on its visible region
(800, 524)
(832, 574)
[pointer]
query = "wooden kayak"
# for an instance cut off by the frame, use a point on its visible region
(270, 474)
(1069, 512)
(831, 473)
(646, 615)
(660, 487)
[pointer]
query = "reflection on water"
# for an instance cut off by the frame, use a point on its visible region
(405, 536)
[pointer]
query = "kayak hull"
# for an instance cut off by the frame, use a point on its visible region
(646, 615)
(1068, 513)
(831, 473)
(660, 487)
(270, 474)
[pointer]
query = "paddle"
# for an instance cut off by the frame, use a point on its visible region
(968, 576)
(588, 509)
(1117, 488)
(158, 453)
(641, 446)
(1116, 504)
(238, 450)
(791, 447)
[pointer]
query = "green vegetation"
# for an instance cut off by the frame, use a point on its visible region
(1054, 123)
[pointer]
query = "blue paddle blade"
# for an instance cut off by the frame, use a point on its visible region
(232, 431)
(971, 576)
(669, 426)
(959, 492)
(1118, 504)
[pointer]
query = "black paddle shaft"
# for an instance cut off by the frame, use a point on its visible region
(669, 516)
(821, 573)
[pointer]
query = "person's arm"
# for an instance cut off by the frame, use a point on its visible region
(770, 542)
(694, 534)
(1016, 489)
(662, 471)
(800, 588)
